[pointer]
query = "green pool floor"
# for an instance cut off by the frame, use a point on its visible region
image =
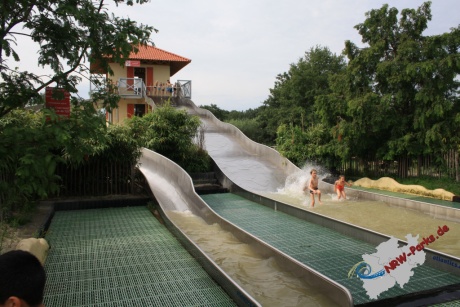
(321, 248)
(122, 257)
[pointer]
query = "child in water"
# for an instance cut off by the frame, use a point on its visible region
(313, 187)
(339, 187)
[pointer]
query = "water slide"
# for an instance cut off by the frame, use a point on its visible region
(173, 190)
(253, 171)
(261, 169)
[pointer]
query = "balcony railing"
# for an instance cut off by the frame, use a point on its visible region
(131, 88)
(136, 88)
(185, 88)
(163, 89)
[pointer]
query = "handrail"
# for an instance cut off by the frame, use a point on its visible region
(185, 88)
(132, 87)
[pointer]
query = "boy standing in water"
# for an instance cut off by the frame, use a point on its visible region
(339, 187)
(313, 187)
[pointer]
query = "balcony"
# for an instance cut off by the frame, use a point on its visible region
(133, 88)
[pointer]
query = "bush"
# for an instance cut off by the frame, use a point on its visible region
(170, 132)
(198, 161)
(250, 127)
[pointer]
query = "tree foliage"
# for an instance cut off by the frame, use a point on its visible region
(67, 35)
(292, 100)
(32, 144)
(219, 113)
(399, 94)
(396, 97)
(171, 132)
(246, 121)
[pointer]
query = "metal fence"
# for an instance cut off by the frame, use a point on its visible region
(443, 166)
(98, 178)
(185, 88)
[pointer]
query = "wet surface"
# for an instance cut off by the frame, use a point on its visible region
(260, 276)
(257, 174)
(241, 164)
(245, 168)
(384, 218)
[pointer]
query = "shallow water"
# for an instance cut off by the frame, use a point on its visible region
(380, 217)
(260, 277)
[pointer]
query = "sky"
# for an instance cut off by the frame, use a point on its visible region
(238, 47)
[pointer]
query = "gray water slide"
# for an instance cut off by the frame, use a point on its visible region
(257, 169)
(252, 166)
(173, 190)
(261, 169)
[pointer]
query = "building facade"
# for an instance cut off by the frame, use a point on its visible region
(143, 82)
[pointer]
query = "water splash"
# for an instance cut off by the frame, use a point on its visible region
(295, 183)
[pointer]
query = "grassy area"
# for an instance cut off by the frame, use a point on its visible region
(447, 184)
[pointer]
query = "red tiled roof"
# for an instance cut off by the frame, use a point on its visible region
(151, 53)
(157, 56)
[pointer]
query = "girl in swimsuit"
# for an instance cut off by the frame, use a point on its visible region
(339, 187)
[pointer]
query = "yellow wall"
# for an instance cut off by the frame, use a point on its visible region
(120, 114)
(161, 73)
(118, 72)
(122, 110)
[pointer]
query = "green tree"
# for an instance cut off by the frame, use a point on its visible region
(242, 115)
(171, 132)
(301, 145)
(249, 127)
(33, 143)
(219, 113)
(67, 35)
(292, 100)
(399, 94)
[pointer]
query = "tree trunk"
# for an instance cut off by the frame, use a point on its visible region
(419, 165)
(457, 173)
(402, 167)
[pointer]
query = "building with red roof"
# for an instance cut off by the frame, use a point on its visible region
(144, 79)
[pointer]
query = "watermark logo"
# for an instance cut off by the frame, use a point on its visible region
(364, 271)
(392, 264)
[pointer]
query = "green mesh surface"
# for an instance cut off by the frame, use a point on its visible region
(449, 304)
(321, 248)
(122, 257)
